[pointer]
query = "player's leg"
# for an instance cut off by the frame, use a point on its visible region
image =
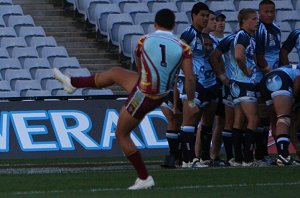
(116, 75)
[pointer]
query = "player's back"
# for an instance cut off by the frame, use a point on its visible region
(162, 54)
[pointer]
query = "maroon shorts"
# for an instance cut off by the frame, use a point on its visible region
(138, 104)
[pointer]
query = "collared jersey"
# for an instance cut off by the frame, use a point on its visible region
(245, 39)
(268, 39)
(292, 41)
(194, 39)
(226, 47)
(161, 55)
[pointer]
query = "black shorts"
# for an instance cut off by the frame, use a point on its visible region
(242, 92)
(169, 102)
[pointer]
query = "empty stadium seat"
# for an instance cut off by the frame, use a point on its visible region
(121, 3)
(100, 12)
(24, 52)
(144, 19)
(53, 86)
(64, 63)
(228, 29)
(113, 23)
(6, 2)
(3, 53)
(96, 92)
(4, 85)
(11, 42)
(284, 5)
(40, 42)
(52, 52)
(248, 4)
(151, 2)
(7, 32)
(137, 8)
(297, 25)
(285, 27)
(32, 64)
(9, 63)
(77, 92)
(162, 5)
(293, 15)
(89, 14)
(35, 93)
(77, 72)
(2, 23)
(24, 85)
(11, 75)
(9, 10)
(180, 17)
(185, 6)
(297, 6)
(221, 5)
(29, 32)
(103, 15)
(42, 75)
(18, 21)
(130, 52)
(179, 28)
(9, 94)
(125, 36)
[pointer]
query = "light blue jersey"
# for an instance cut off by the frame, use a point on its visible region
(226, 47)
(206, 76)
(245, 39)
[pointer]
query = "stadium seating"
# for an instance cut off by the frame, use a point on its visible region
(18, 21)
(103, 15)
(6, 2)
(3, 53)
(12, 75)
(10, 10)
(35, 93)
(11, 42)
(53, 52)
(9, 63)
(91, 6)
(32, 64)
(136, 8)
(24, 85)
(88, 92)
(24, 52)
(4, 85)
(29, 32)
(62, 63)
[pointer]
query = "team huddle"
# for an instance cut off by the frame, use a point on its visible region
(206, 79)
(245, 88)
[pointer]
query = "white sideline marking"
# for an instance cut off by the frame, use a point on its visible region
(161, 188)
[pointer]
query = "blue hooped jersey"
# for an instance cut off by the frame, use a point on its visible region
(194, 39)
(246, 40)
(226, 47)
(161, 55)
(206, 76)
(268, 39)
(292, 41)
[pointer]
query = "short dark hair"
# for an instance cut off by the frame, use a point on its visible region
(266, 2)
(244, 14)
(198, 7)
(165, 18)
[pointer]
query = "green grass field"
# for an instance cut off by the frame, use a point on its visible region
(34, 179)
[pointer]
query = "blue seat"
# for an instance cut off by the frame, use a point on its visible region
(64, 63)
(179, 28)
(125, 36)
(24, 52)
(288, 15)
(42, 75)
(77, 92)
(40, 42)
(247, 4)
(18, 21)
(53, 52)
(7, 32)
(9, 63)
(297, 25)
(100, 11)
(32, 64)
(284, 5)
(6, 2)
(96, 92)
(144, 19)
(137, 8)
(4, 85)
(113, 23)
(77, 72)
(222, 5)
(180, 17)
(162, 5)
(133, 44)
(285, 27)
(151, 2)
(53, 86)
(10, 10)
(2, 23)
(35, 93)
(24, 85)
(91, 6)
(121, 3)
(11, 42)
(103, 13)
(3, 53)
(9, 94)
(12, 75)
(29, 32)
